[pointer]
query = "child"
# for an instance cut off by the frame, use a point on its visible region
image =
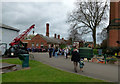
(81, 63)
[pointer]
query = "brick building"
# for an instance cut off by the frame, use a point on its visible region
(114, 25)
(40, 41)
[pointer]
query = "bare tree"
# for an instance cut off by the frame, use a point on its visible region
(74, 35)
(102, 35)
(88, 16)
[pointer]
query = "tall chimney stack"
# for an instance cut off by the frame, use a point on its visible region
(54, 35)
(58, 36)
(47, 29)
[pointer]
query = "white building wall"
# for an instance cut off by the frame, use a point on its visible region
(1, 50)
(8, 36)
(0, 35)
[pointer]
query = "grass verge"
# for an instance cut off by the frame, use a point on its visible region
(42, 73)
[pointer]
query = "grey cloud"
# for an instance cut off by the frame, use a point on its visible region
(23, 14)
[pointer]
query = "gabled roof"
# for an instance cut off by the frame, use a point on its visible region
(8, 27)
(59, 41)
(52, 40)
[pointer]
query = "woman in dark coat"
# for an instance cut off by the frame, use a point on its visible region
(75, 58)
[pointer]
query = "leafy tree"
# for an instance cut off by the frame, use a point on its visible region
(62, 46)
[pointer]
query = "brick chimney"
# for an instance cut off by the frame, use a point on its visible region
(55, 35)
(47, 29)
(58, 36)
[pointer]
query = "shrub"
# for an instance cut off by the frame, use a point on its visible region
(112, 60)
(95, 51)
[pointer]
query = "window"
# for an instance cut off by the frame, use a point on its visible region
(49, 45)
(42, 45)
(37, 44)
(32, 44)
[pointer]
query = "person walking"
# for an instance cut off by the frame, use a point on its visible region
(50, 52)
(60, 51)
(81, 63)
(56, 51)
(75, 58)
(53, 52)
(66, 53)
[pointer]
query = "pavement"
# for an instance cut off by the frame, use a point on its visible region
(105, 72)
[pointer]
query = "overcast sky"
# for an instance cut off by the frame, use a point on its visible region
(24, 13)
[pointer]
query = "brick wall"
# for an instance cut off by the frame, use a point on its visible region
(114, 10)
(37, 40)
(114, 31)
(113, 37)
(119, 37)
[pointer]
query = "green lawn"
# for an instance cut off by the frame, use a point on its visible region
(42, 73)
(0, 60)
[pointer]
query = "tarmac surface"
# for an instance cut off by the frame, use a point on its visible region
(105, 72)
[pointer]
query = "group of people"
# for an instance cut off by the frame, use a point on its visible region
(75, 56)
(57, 51)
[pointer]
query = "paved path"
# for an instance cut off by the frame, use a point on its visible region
(94, 70)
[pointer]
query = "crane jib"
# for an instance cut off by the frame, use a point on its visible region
(21, 36)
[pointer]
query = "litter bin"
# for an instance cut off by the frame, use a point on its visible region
(25, 60)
